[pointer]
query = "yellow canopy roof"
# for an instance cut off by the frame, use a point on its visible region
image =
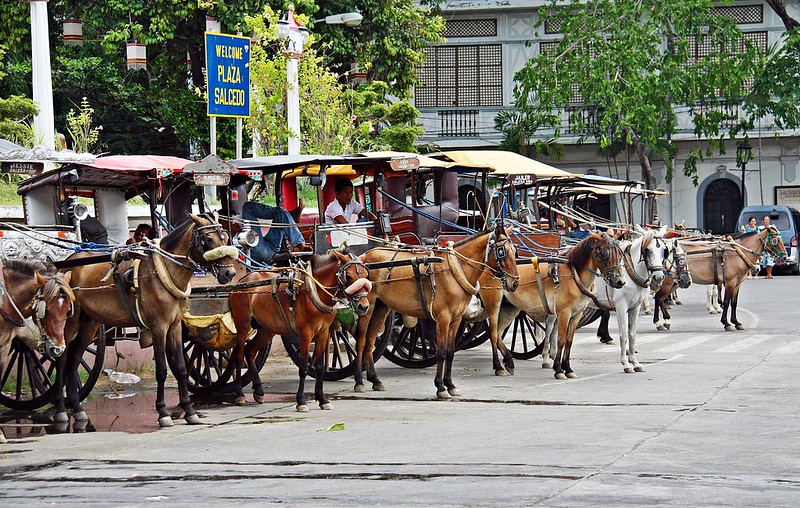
(504, 163)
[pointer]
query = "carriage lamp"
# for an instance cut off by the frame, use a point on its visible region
(246, 238)
(743, 151)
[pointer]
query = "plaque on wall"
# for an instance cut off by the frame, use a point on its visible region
(788, 195)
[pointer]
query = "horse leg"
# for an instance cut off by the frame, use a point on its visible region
(58, 397)
(602, 329)
(623, 319)
(86, 333)
(550, 345)
(658, 308)
(493, 315)
(238, 360)
(646, 306)
(321, 344)
(572, 326)
(160, 357)
(451, 353)
(305, 346)
(558, 362)
(726, 302)
(177, 363)
(361, 342)
(442, 332)
(734, 306)
(505, 318)
(373, 328)
(633, 322)
(251, 349)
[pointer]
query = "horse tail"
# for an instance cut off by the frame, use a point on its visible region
(719, 292)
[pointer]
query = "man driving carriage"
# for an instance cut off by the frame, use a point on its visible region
(283, 227)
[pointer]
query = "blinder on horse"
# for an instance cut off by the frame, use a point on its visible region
(500, 252)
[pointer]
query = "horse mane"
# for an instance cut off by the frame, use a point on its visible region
(579, 255)
(473, 237)
(737, 236)
(171, 239)
(320, 262)
(29, 267)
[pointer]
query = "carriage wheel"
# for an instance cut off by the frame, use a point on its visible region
(521, 338)
(341, 353)
(28, 376)
(472, 334)
(211, 372)
(589, 316)
(410, 347)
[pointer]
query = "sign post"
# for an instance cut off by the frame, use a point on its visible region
(228, 79)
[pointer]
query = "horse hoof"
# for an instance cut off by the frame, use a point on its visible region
(678, 302)
(359, 389)
(547, 365)
(165, 421)
(3, 439)
(80, 416)
(560, 375)
(628, 370)
(499, 372)
(61, 417)
(740, 327)
(193, 420)
(454, 392)
(378, 387)
(712, 311)
(510, 371)
(327, 406)
(648, 312)
(667, 326)
(729, 328)
(302, 408)
(443, 394)
(661, 328)
(572, 375)
(258, 398)
(240, 400)
(638, 369)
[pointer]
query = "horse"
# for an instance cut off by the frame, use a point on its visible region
(153, 299)
(30, 290)
(726, 263)
(676, 271)
(444, 298)
(329, 280)
(552, 289)
(644, 272)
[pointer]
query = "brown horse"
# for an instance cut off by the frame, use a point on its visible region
(725, 263)
(329, 280)
(441, 293)
(546, 289)
(29, 289)
(676, 271)
(154, 303)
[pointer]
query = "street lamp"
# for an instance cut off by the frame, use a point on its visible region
(743, 150)
(296, 37)
(44, 122)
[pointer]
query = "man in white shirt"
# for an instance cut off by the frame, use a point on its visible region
(343, 207)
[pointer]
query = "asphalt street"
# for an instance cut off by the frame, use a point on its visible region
(713, 421)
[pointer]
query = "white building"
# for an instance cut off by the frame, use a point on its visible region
(468, 80)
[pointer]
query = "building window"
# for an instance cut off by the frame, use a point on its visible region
(471, 28)
(742, 14)
(461, 76)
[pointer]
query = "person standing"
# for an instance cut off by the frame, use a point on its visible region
(767, 260)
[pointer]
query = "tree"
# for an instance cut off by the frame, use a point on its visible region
(16, 113)
(622, 67)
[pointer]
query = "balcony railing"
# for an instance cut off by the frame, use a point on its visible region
(458, 124)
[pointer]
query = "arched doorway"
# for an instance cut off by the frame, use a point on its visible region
(722, 202)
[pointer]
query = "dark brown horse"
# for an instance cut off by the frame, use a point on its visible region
(29, 289)
(307, 311)
(560, 289)
(154, 303)
(441, 293)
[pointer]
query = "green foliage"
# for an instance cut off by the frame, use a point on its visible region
(79, 127)
(16, 114)
(637, 60)
(776, 91)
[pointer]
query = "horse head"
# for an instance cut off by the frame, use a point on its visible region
(773, 243)
(503, 262)
(675, 264)
(210, 247)
(607, 258)
(353, 279)
(52, 305)
(653, 252)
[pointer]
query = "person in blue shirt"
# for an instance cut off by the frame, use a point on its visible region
(270, 244)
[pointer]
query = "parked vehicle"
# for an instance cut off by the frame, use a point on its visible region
(786, 219)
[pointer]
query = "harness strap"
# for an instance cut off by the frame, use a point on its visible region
(7, 306)
(458, 273)
(311, 283)
(540, 285)
(588, 293)
(739, 251)
(628, 260)
(292, 325)
(166, 280)
(133, 313)
(420, 293)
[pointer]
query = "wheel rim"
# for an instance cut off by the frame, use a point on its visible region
(212, 371)
(411, 347)
(520, 337)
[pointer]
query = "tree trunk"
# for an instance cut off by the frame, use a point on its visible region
(651, 207)
(779, 6)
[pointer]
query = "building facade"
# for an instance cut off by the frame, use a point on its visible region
(466, 82)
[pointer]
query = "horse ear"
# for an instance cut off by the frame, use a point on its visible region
(67, 277)
(194, 217)
(639, 229)
(215, 215)
(40, 280)
(596, 236)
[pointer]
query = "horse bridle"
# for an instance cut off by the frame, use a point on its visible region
(499, 252)
(200, 240)
(675, 265)
(771, 243)
(644, 255)
(39, 308)
(341, 277)
(602, 259)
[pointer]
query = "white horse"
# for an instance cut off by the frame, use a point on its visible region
(644, 271)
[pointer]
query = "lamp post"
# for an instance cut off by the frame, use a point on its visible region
(743, 149)
(43, 123)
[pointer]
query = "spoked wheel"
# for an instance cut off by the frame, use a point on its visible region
(522, 339)
(28, 376)
(589, 316)
(211, 371)
(341, 359)
(472, 334)
(412, 347)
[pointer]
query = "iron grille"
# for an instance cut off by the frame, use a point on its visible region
(458, 124)
(471, 28)
(742, 14)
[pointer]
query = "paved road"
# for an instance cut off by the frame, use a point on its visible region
(712, 422)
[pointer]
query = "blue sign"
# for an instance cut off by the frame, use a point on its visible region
(228, 75)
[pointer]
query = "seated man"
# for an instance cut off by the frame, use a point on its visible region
(343, 207)
(269, 244)
(93, 231)
(142, 230)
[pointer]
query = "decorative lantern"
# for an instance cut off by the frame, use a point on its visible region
(212, 25)
(357, 74)
(137, 55)
(73, 31)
